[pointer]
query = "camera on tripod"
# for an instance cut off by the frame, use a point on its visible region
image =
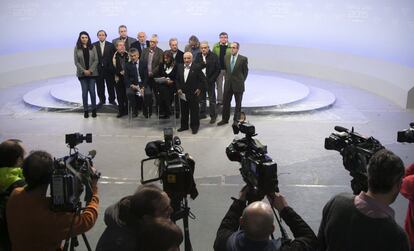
(258, 170)
(356, 151)
(175, 168)
(406, 135)
(72, 175)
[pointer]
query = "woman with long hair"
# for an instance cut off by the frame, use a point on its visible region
(86, 61)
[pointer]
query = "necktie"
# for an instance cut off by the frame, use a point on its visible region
(232, 63)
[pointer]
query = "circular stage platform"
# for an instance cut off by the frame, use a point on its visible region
(264, 94)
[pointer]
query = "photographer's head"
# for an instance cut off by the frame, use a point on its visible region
(257, 221)
(149, 200)
(161, 234)
(11, 153)
(37, 169)
(385, 173)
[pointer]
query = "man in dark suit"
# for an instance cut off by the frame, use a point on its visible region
(190, 80)
(177, 53)
(211, 69)
(152, 57)
(105, 52)
(135, 79)
(123, 36)
(142, 42)
(236, 74)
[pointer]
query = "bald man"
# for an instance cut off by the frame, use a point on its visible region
(249, 228)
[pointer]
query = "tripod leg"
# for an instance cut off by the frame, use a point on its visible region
(86, 242)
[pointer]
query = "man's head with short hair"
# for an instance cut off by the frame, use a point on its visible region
(224, 37)
(123, 31)
(101, 34)
(235, 46)
(257, 221)
(204, 47)
(385, 172)
(11, 153)
(153, 41)
(134, 54)
(188, 58)
(142, 37)
(37, 169)
(173, 42)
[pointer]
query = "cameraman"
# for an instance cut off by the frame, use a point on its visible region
(249, 228)
(32, 224)
(11, 176)
(366, 221)
(124, 219)
(407, 190)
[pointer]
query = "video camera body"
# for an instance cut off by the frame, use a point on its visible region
(406, 135)
(258, 170)
(72, 175)
(356, 151)
(175, 168)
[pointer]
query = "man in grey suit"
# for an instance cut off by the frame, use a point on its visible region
(123, 36)
(236, 74)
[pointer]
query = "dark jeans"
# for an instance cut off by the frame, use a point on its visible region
(88, 85)
(100, 86)
(227, 96)
(211, 92)
(190, 108)
(165, 99)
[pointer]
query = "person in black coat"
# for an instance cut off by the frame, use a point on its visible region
(211, 69)
(106, 51)
(119, 61)
(141, 43)
(168, 72)
(190, 80)
(135, 80)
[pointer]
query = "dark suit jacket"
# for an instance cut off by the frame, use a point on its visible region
(156, 60)
(179, 59)
(128, 42)
(137, 45)
(105, 60)
(212, 65)
(131, 76)
(195, 80)
(235, 79)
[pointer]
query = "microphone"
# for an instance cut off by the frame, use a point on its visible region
(341, 129)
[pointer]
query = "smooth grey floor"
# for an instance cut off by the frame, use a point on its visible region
(308, 174)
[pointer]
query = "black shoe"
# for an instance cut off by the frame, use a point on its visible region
(119, 115)
(194, 131)
(100, 104)
(181, 129)
(113, 103)
(94, 113)
(222, 123)
(203, 116)
(164, 117)
(212, 120)
(86, 115)
(219, 104)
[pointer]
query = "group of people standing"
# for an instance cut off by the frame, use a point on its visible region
(139, 72)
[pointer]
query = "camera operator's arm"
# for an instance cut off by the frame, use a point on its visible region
(305, 238)
(87, 218)
(230, 222)
(407, 186)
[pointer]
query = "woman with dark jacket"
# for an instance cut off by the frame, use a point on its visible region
(86, 61)
(168, 70)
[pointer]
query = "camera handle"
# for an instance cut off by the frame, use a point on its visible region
(285, 236)
(73, 242)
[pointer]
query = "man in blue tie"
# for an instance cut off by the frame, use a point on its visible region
(236, 74)
(141, 43)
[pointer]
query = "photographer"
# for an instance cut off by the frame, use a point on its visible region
(160, 234)
(124, 219)
(11, 176)
(249, 228)
(32, 224)
(366, 221)
(407, 190)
